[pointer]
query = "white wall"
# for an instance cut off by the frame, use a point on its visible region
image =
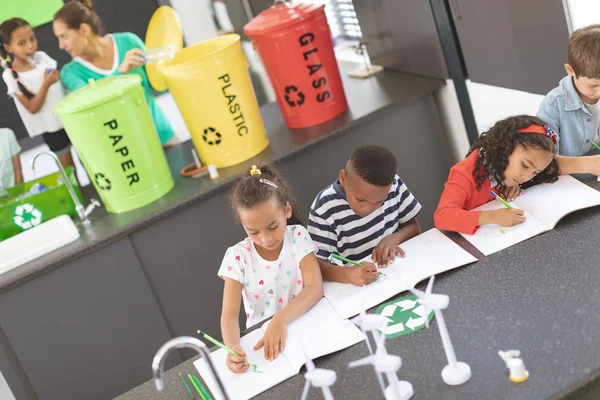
(583, 12)
(196, 20)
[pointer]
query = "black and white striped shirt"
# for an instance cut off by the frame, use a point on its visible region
(334, 227)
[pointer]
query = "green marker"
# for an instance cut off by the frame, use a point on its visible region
(186, 386)
(338, 257)
(203, 390)
(227, 349)
(196, 387)
(500, 199)
(595, 145)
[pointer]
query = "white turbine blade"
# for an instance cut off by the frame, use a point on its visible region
(363, 301)
(310, 365)
(380, 340)
(426, 316)
(429, 285)
(305, 391)
(363, 361)
(420, 294)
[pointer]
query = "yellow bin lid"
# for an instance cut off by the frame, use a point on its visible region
(164, 30)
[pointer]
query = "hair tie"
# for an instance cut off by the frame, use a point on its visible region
(542, 130)
(255, 171)
(268, 182)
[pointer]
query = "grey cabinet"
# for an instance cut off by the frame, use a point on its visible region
(401, 35)
(516, 44)
(87, 330)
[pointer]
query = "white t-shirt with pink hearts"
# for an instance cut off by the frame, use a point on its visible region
(269, 286)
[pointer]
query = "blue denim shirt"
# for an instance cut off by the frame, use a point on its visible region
(568, 115)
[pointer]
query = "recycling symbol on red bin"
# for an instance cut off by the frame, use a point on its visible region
(211, 136)
(289, 90)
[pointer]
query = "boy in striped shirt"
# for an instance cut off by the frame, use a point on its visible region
(368, 211)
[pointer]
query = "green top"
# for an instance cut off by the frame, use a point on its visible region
(98, 92)
(76, 74)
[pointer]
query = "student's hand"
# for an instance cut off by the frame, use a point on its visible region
(593, 165)
(510, 193)
(364, 275)
(51, 78)
(509, 216)
(237, 364)
(133, 59)
(274, 339)
(386, 251)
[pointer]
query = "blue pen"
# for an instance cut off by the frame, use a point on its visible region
(49, 70)
(500, 199)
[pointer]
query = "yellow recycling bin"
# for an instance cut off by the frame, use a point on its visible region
(211, 86)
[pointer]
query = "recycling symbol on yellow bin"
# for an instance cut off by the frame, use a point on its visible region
(405, 315)
(27, 216)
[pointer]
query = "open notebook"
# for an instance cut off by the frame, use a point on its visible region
(428, 254)
(544, 206)
(319, 332)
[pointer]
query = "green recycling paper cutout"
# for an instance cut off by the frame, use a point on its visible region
(405, 315)
(27, 216)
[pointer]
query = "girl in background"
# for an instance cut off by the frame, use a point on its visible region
(31, 77)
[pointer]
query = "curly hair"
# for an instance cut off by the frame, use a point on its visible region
(498, 143)
(250, 192)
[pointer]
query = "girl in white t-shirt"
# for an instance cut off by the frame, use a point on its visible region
(274, 271)
(32, 79)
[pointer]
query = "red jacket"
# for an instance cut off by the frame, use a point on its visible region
(461, 195)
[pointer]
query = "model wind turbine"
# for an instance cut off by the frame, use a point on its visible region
(370, 323)
(456, 372)
(319, 378)
(388, 365)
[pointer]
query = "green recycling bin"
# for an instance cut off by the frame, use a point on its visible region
(109, 123)
(27, 205)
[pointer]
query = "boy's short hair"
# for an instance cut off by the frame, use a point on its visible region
(375, 165)
(584, 52)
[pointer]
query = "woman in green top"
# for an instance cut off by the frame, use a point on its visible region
(77, 27)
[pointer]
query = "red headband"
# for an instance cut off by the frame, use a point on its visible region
(542, 130)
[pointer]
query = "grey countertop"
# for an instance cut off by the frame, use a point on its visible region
(540, 296)
(367, 99)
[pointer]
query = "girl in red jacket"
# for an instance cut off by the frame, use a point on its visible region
(514, 151)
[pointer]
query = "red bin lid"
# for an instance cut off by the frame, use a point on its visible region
(280, 16)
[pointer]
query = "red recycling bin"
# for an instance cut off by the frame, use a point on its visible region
(295, 45)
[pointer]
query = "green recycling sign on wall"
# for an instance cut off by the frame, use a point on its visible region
(405, 315)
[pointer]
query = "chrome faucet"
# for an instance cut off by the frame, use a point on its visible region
(82, 211)
(177, 343)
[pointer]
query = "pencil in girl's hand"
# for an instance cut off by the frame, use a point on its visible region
(221, 345)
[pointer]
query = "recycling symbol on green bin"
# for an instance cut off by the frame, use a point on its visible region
(405, 315)
(27, 216)
(211, 136)
(102, 182)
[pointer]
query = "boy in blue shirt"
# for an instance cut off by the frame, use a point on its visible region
(572, 109)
